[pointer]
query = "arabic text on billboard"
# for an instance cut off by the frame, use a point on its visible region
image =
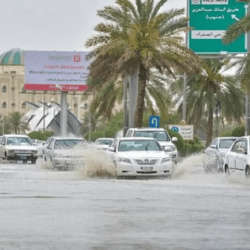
(53, 70)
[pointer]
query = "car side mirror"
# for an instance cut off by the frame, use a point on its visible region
(174, 139)
(213, 146)
(112, 149)
(240, 151)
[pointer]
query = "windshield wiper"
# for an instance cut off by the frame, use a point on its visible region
(146, 148)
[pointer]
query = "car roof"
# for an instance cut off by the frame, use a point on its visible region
(13, 135)
(148, 129)
(69, 138)
(227, 137)
(105, 138)
(137, 138)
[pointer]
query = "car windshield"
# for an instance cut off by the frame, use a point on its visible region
(139, 145)
(226, 143)
(69, 143)
(158, 135)
(104, 141)
(19, 141)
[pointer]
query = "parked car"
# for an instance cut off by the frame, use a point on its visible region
(65, 152)
(138, 156)
(18, 147)
(103, 143)
(237, 158)
(216, 151)
(161, 135)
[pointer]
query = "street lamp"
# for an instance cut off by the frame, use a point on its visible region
(54, 125)
(87, 106)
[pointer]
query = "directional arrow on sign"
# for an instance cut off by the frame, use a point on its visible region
(235, 17)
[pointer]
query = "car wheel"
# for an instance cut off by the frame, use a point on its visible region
(247, 172)
(33, 160)
(227, 172)
(207, 167)
(218, 165)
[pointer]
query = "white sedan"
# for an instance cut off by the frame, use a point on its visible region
(237, 158)
(138, 156)
(18, 147)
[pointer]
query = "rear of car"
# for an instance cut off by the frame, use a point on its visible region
(216, 152)
(161, 135)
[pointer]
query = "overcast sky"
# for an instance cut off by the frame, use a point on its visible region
(53, 24)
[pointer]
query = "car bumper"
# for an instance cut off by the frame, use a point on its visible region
(21, 157)
(67, 163)
(126, 169)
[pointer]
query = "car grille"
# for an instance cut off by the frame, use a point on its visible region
(145, 162)
(23, 151)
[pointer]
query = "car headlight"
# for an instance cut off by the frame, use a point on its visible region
(169, 148)
(60, 156)
(166, 159)
(34, 152)
(222, 155)
(11, 151)
(124, 160)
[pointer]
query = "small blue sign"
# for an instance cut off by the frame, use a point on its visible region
(154, 121)
(175, 129)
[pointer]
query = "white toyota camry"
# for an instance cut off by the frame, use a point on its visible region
(138, 156)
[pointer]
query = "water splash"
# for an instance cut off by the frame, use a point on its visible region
(96, 164)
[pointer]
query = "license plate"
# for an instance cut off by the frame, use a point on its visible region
(23, 157)
(146, 169)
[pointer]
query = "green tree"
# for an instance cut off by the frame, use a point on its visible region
(237, 29)
(139, 36)
(108, 97)
(210, 90)
(15, 123)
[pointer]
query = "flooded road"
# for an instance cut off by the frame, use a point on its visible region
(45, 209)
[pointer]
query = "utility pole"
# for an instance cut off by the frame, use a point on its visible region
(125, 105)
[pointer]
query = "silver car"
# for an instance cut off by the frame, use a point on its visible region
(65, 153)
(216, 151)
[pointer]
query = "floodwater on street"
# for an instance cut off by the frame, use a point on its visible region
(41, 208)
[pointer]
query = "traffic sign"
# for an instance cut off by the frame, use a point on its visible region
(186, 131)
(209, 20)
(154, 121)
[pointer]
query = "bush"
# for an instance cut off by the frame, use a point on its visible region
(40, 135)
(239, 131)
(186, 147)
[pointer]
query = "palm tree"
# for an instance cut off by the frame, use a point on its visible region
(236, 30)
(108, 96)
(209, 90)
(15, 123)
(139, 36)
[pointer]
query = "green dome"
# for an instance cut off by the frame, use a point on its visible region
(12, 57)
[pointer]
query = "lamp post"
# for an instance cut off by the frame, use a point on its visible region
(54, 125)
(87, 106)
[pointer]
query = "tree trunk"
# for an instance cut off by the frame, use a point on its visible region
(142, 80)
(209, 129)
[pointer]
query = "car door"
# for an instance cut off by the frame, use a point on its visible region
(212, 149)
(232, 155)
(112, 150)
(2, 145)
(241, 160)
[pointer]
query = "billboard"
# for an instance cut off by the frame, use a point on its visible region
(54, 70)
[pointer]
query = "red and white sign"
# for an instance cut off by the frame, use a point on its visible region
(56, 70)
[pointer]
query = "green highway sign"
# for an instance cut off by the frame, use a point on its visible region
(208, 20)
